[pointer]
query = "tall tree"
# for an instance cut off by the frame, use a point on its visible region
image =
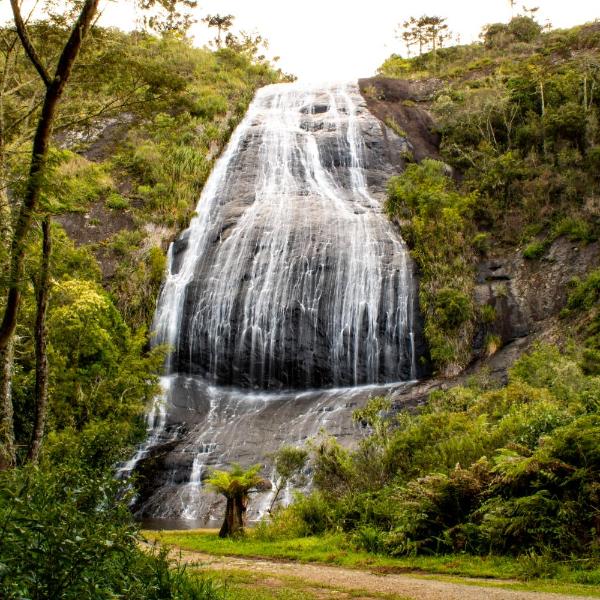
(426, 32)
(54, 88)
(223, 23)
(168, 16)
(436, 32)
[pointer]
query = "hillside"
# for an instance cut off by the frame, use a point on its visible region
(498, 204)
(515, 117)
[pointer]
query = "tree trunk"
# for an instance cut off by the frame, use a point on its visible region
(234, 516)
(7, 443)
(7, 436)
(41, 357)
(54, 91)
(280, 485)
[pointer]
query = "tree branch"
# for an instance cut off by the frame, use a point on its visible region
(27, 44)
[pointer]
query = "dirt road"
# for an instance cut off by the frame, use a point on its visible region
(335, 582)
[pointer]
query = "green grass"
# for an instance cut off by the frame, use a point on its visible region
(507, 572)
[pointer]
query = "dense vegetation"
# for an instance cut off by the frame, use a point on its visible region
(510, 470)
(518, 117)
(138, 128)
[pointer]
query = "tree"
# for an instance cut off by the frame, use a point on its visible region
(236, 485)
(413, 32)
(289, 462)
(54, 86)
(223, 23)
(169, 18)
(436, 32)
(428, 32)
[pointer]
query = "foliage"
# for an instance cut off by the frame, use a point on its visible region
(585, 298)
(235, 481)
(436, 222)
(507, 470)
(289, 462)
(66, 535)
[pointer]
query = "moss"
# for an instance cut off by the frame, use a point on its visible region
(535, 250)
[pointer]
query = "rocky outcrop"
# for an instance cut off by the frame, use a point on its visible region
(528, 295)
(403, 105)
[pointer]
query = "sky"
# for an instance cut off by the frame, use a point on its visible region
(340, 40)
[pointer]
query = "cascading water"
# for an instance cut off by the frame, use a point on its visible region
(289, 278)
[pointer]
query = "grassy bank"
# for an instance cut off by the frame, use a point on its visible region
(334, 549)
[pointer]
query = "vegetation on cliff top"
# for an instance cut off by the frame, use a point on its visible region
(518, 116)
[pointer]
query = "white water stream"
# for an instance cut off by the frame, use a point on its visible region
(289, 278)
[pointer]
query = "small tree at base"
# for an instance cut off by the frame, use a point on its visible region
(236, 485)
(289, 462)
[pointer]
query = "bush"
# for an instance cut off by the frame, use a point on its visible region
(524, 29)
(586, 293)
(535, 250)
(65, 535)
(451, 309)
(369, 538)
(117, 202)
(508, 470)
(496, 35)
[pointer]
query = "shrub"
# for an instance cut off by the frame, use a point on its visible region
(117, 202)
(511, 470)
(586, 293)
(369, 538)
(496, 35)
(451, 309)
(65, 535)
(524, 29)
(535, 250)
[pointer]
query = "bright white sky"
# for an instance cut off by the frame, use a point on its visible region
(326, 40)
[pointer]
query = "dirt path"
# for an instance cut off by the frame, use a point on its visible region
(351, 580)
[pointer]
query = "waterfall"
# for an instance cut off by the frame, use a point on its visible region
(289, 278)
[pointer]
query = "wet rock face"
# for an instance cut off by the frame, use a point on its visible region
(211, 427)
(289, 284)
(291, 277)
